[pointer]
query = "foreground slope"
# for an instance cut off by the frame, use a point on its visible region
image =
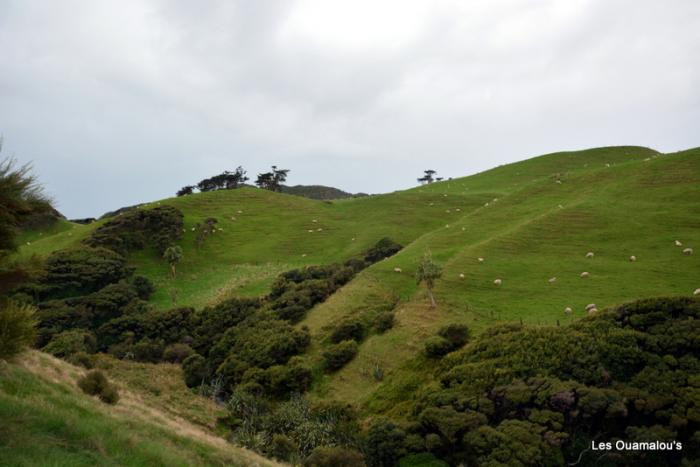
(47, 420)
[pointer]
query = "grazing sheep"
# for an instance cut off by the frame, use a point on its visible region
(461, 275)
(311, 231)
(240, 212)
(552, 279)
(458, 210)
(590, 254)
(481, 260)
(688, 251)
(498, 282)
(678, 243)
(303, 255)
(314, 220)
(593, 311)
(568, 310)
(398, 270)
(447, 226)
(590, 306)
(697, 292)
(607, 165)
(486, 205)
(584, 274)
(559, 182)
(633, 258)
(319, 229)
(561, 207)
(447, 211)
(353, 239)
(463, 229)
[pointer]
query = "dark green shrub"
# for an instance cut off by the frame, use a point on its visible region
(17, 328)
(95, 383)
(437, 346)
(148, 350)
(82, 359)
(283, 448)
(71, 342)
(424, 459)
(456, 334)
(334, 456)
(384, 321)
(348, 330)
(385, 443)
(382, 249)
(81, 271)
(195, 369)
(144, 287)
(294, 377)
(177, 353)
(336, 356)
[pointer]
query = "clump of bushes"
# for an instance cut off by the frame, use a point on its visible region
(334, 456)
(17, 328)
(348, 330)
(195, 369)
(71, 342)
(449, 339)
(382, 249)
(384, 321)
(336, 356)
(95, 383)
(177, 353)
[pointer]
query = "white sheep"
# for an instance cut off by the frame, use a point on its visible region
(678, 243)
(697, 292)
(481, 260)
(240, 212)
(498, 282)
(398, 270)
(592, 311)
(314, 220)
(552, 279)
(633, 258)
(688, 251)
(585, 274)
(303, 255)
(461, 275)
(590, 306)
(559, 182)
(590, 254)
(319, 229)
(568, 310)
(463, 229)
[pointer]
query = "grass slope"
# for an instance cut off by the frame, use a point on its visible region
(530, 221)
(48, 421)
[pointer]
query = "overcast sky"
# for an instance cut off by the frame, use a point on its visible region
(120, 102)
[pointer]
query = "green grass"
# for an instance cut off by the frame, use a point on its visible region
(48, 421)
(615, 202)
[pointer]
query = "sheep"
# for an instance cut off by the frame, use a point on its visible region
(590, 306)
(463, 229)
(585, 274)
(561, 207)
(447, 211)
(678, 243)
(447, 226)
(398, 270)
(461, 275)
(29, 243)
(688, 251)
(319, 229)
(481, 260)
(633, 258)
(311, 231)
(593, 311)
(314, 221)
(697, 292)
(458, 210)
(568, 310)
(558, 182)
(498, 282)
(552, 279)
(303, 255)
(353, 239)
(607, 165)
(240, 212)
(590, 254)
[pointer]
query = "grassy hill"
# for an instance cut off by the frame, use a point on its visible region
(47, 420)
(529, 221)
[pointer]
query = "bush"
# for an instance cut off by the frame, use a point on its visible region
(456, 334)
(349, 330)
(382, 249)
(148, 350)
(71, 342)
(384, 321)
(144, 287)
(17, 328)
(334, 456)
(95, 383)
(436, 347)
(385, 443)
(82, 359)
(283, 448)
(177, 353)
(195, 369)
(339, 354)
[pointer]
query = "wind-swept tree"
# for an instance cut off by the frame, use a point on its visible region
(20, 197)
(428, 177)
(173, 255)
(186, 190)
(428, 272)
(272, 180)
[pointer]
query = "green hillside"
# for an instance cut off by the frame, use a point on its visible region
(529, 221)
(47, 420)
